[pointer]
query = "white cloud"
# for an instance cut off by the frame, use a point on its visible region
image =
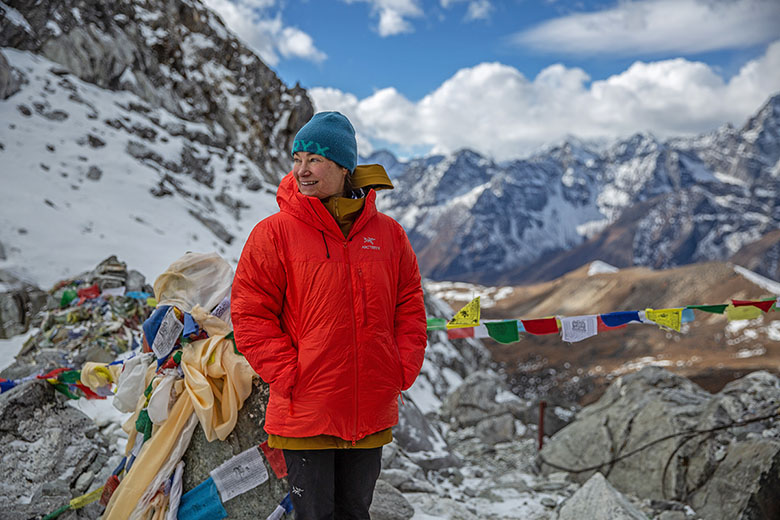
(494, 109)
(476, 10)
(393, 14)
(265, 34)
(659, 26)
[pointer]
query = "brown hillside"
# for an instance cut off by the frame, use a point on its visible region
(708, 350)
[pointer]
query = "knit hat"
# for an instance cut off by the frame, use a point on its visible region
(329, 134)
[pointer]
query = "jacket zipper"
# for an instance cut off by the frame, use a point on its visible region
(354, 343)
(363, 294)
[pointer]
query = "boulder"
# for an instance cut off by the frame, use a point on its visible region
(597, 498)
(19, 302)
(51, 453)
(202, 456)
(389, 503)
(678, 442)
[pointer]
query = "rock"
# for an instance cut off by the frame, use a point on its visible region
(202, 456)
(403, 481)
(389, 504)
(731, 472)
(10, 78)
(497, 429)
(19, 302)
(745, 485)
(597, 498)
(52, 453)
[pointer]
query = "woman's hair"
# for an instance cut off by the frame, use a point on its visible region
(348, 185)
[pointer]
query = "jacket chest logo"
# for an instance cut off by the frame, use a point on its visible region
(368, 243)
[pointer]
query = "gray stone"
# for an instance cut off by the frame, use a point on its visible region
(497, 429)
(730, 471)
(597, 498)
(389, 504)
(19, 302)
(671, 515)
(202, 456)
(10, 78)
(52, 453)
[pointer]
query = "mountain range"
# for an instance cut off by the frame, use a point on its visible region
(147, 129)
(637, 202)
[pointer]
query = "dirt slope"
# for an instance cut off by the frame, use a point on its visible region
(709, 350)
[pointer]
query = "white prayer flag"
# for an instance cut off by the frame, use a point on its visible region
(239, 474)
(169, 331)
(276, 514)
(577, 328)
(481, 331)
(113, 291)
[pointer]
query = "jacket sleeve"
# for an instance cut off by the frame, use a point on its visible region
(410, 323)
(256, 305)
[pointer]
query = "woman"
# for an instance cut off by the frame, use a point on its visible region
(328, 309)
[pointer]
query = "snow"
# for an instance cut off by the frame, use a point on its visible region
(10, 347)
(15, 17)
(599, 267)
(56, 222)
(763, 282)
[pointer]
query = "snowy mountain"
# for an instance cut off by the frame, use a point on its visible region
(640, 201)
(142, 129)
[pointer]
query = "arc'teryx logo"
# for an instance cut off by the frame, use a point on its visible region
(368, 243)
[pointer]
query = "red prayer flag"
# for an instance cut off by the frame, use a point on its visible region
(275, 458)
(764, 306)
(603, 326)
(93, 291)
(460, 332)
(541, 326)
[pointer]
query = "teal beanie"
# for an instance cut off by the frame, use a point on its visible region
(329, 134)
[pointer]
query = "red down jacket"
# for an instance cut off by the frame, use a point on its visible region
(336, 326)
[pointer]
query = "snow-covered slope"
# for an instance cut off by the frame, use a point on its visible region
(88, 173)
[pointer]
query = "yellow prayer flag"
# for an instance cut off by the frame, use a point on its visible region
(84, 500)
(746, 312)
(671, 318)
(468, 316)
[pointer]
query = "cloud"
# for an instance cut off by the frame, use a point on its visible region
(657, 27)
(476, 10)
(266, 35)
(494, 109)
(393, 14)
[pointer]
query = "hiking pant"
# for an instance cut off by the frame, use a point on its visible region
(333, 484)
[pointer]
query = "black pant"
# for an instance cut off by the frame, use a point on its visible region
(332, 484)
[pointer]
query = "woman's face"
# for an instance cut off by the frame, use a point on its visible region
(317, 176)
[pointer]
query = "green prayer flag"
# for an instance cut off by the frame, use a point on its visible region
(715, 309)
(503, 331)
(144, 424)
(67, 296)
(69, 376)
(437, 324)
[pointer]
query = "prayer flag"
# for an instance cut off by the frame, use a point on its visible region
(167, 335)
(541, 326)
(618, 319)
(688, 316)
(468, 316)
(503, 331)
(460, 333)
(275, 458)
(747, 312)
(577, 328)
(671, 318)
(437, 324)
(239, 474)
(715, 309)
(202, 503)
(764, 305)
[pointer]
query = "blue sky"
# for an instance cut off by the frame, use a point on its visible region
(505, 77)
